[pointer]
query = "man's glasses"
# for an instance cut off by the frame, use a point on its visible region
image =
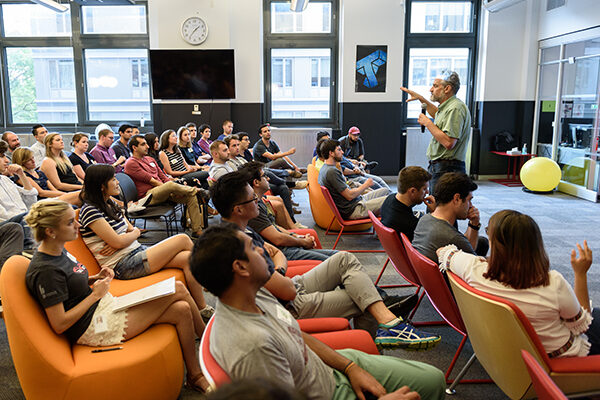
(255, 199)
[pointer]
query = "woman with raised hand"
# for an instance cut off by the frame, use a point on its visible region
(518, 270)
(25, 158)
(80, 158)
(57, 166)
(174, 163)
(113, 240)
(74, 301)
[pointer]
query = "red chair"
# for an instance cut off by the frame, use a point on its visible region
(442, 300)
(214, 374)
(345, 223)
(544, 386)
(498, 331)
(397, 255)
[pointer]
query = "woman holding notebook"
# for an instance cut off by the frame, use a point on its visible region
(80, 306)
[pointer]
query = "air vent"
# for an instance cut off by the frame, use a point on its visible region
(552, 4)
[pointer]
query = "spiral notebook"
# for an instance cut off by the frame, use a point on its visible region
(143, 295)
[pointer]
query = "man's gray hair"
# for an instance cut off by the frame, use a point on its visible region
(451, 78)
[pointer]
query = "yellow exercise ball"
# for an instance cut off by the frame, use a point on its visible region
(540, 174)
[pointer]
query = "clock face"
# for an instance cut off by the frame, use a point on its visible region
(194, 30)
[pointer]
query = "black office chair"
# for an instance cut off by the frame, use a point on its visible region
(167, 211)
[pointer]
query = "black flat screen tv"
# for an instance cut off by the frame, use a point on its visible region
(192, 74)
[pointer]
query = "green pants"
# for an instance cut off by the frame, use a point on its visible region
(392, 373)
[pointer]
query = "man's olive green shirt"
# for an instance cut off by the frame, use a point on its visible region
(454, 119)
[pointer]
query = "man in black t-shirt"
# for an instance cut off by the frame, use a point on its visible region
(266, 151)
(397, 209)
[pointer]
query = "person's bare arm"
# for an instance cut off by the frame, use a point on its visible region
(42, 192)
(281, 239)
(431, 108)
(79, 171)
(61, 320)
(103, 229)
(360, 379)
(49, 168)
(472, 234)
(350, 194)
(167, 165)
(581, 266)
(281, 154)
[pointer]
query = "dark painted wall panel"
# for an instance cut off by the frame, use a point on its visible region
(494, 117)
(380, 125)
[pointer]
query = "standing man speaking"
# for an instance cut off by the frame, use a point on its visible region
(449, 129)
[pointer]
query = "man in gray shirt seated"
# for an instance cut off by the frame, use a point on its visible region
(220, 154)
(454, 192)
(254, 336)
(351, 203)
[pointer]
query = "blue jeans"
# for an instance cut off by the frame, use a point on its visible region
(438, 168)
(593, 332)
(299, 253)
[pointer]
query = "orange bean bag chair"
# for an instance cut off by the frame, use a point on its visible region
(321, 212)
(150, 366)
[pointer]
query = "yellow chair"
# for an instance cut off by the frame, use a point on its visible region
(498, 331)
(150, 366)
(321, 212)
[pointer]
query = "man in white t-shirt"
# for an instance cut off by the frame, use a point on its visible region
(39, 148)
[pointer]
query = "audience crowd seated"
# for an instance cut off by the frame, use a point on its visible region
(253, 336)
(38, 180)
(454, 192)
(319, 292)
(397, 209)
(518, 270)
(244, 260)
(85, 314)
(80, 158)
(150, 179)
(352, 203)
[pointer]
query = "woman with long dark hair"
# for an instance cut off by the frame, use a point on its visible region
(153, 148)
(80, 158)
(62, 287)
(518, 270)
(113, 240)
(174, 162)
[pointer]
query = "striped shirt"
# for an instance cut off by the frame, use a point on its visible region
(89, 214)
(176, 160)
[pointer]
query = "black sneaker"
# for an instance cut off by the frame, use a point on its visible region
(401, 306)
(371, 165)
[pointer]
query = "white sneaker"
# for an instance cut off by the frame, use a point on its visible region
(298, 225)
(301, 184)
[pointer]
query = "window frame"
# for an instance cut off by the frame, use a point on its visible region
(441, 40)
(302, 41)
(79, 42)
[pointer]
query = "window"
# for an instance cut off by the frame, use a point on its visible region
(62, 73)
(109, 84)
(439, 37)
(41, 83)
(301, 55)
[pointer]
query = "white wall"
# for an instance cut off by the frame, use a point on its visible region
(575, 15)
(373, 22)
(508, 53)
(232, 24)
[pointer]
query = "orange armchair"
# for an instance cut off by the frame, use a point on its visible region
(150, 366)
(321, 212)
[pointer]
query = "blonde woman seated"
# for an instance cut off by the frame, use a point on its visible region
(113, 240)
(62, 287)
(80, 158)
(186, 148)
(25, 158)
(518, 270)
(57, 166)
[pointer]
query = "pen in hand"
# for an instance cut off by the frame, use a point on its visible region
(103, 350)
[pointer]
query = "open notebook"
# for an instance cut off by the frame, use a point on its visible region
(149, 293)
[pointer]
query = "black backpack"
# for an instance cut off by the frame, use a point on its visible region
(503, 141)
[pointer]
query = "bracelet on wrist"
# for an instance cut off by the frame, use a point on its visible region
(475, 227)
(347, 367)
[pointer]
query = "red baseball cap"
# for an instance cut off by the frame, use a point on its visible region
(354, 131)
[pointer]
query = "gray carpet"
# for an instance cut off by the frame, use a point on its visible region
(564, 221)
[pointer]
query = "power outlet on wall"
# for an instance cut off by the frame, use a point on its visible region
(196, 110)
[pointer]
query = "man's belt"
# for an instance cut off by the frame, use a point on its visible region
(446, 161)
